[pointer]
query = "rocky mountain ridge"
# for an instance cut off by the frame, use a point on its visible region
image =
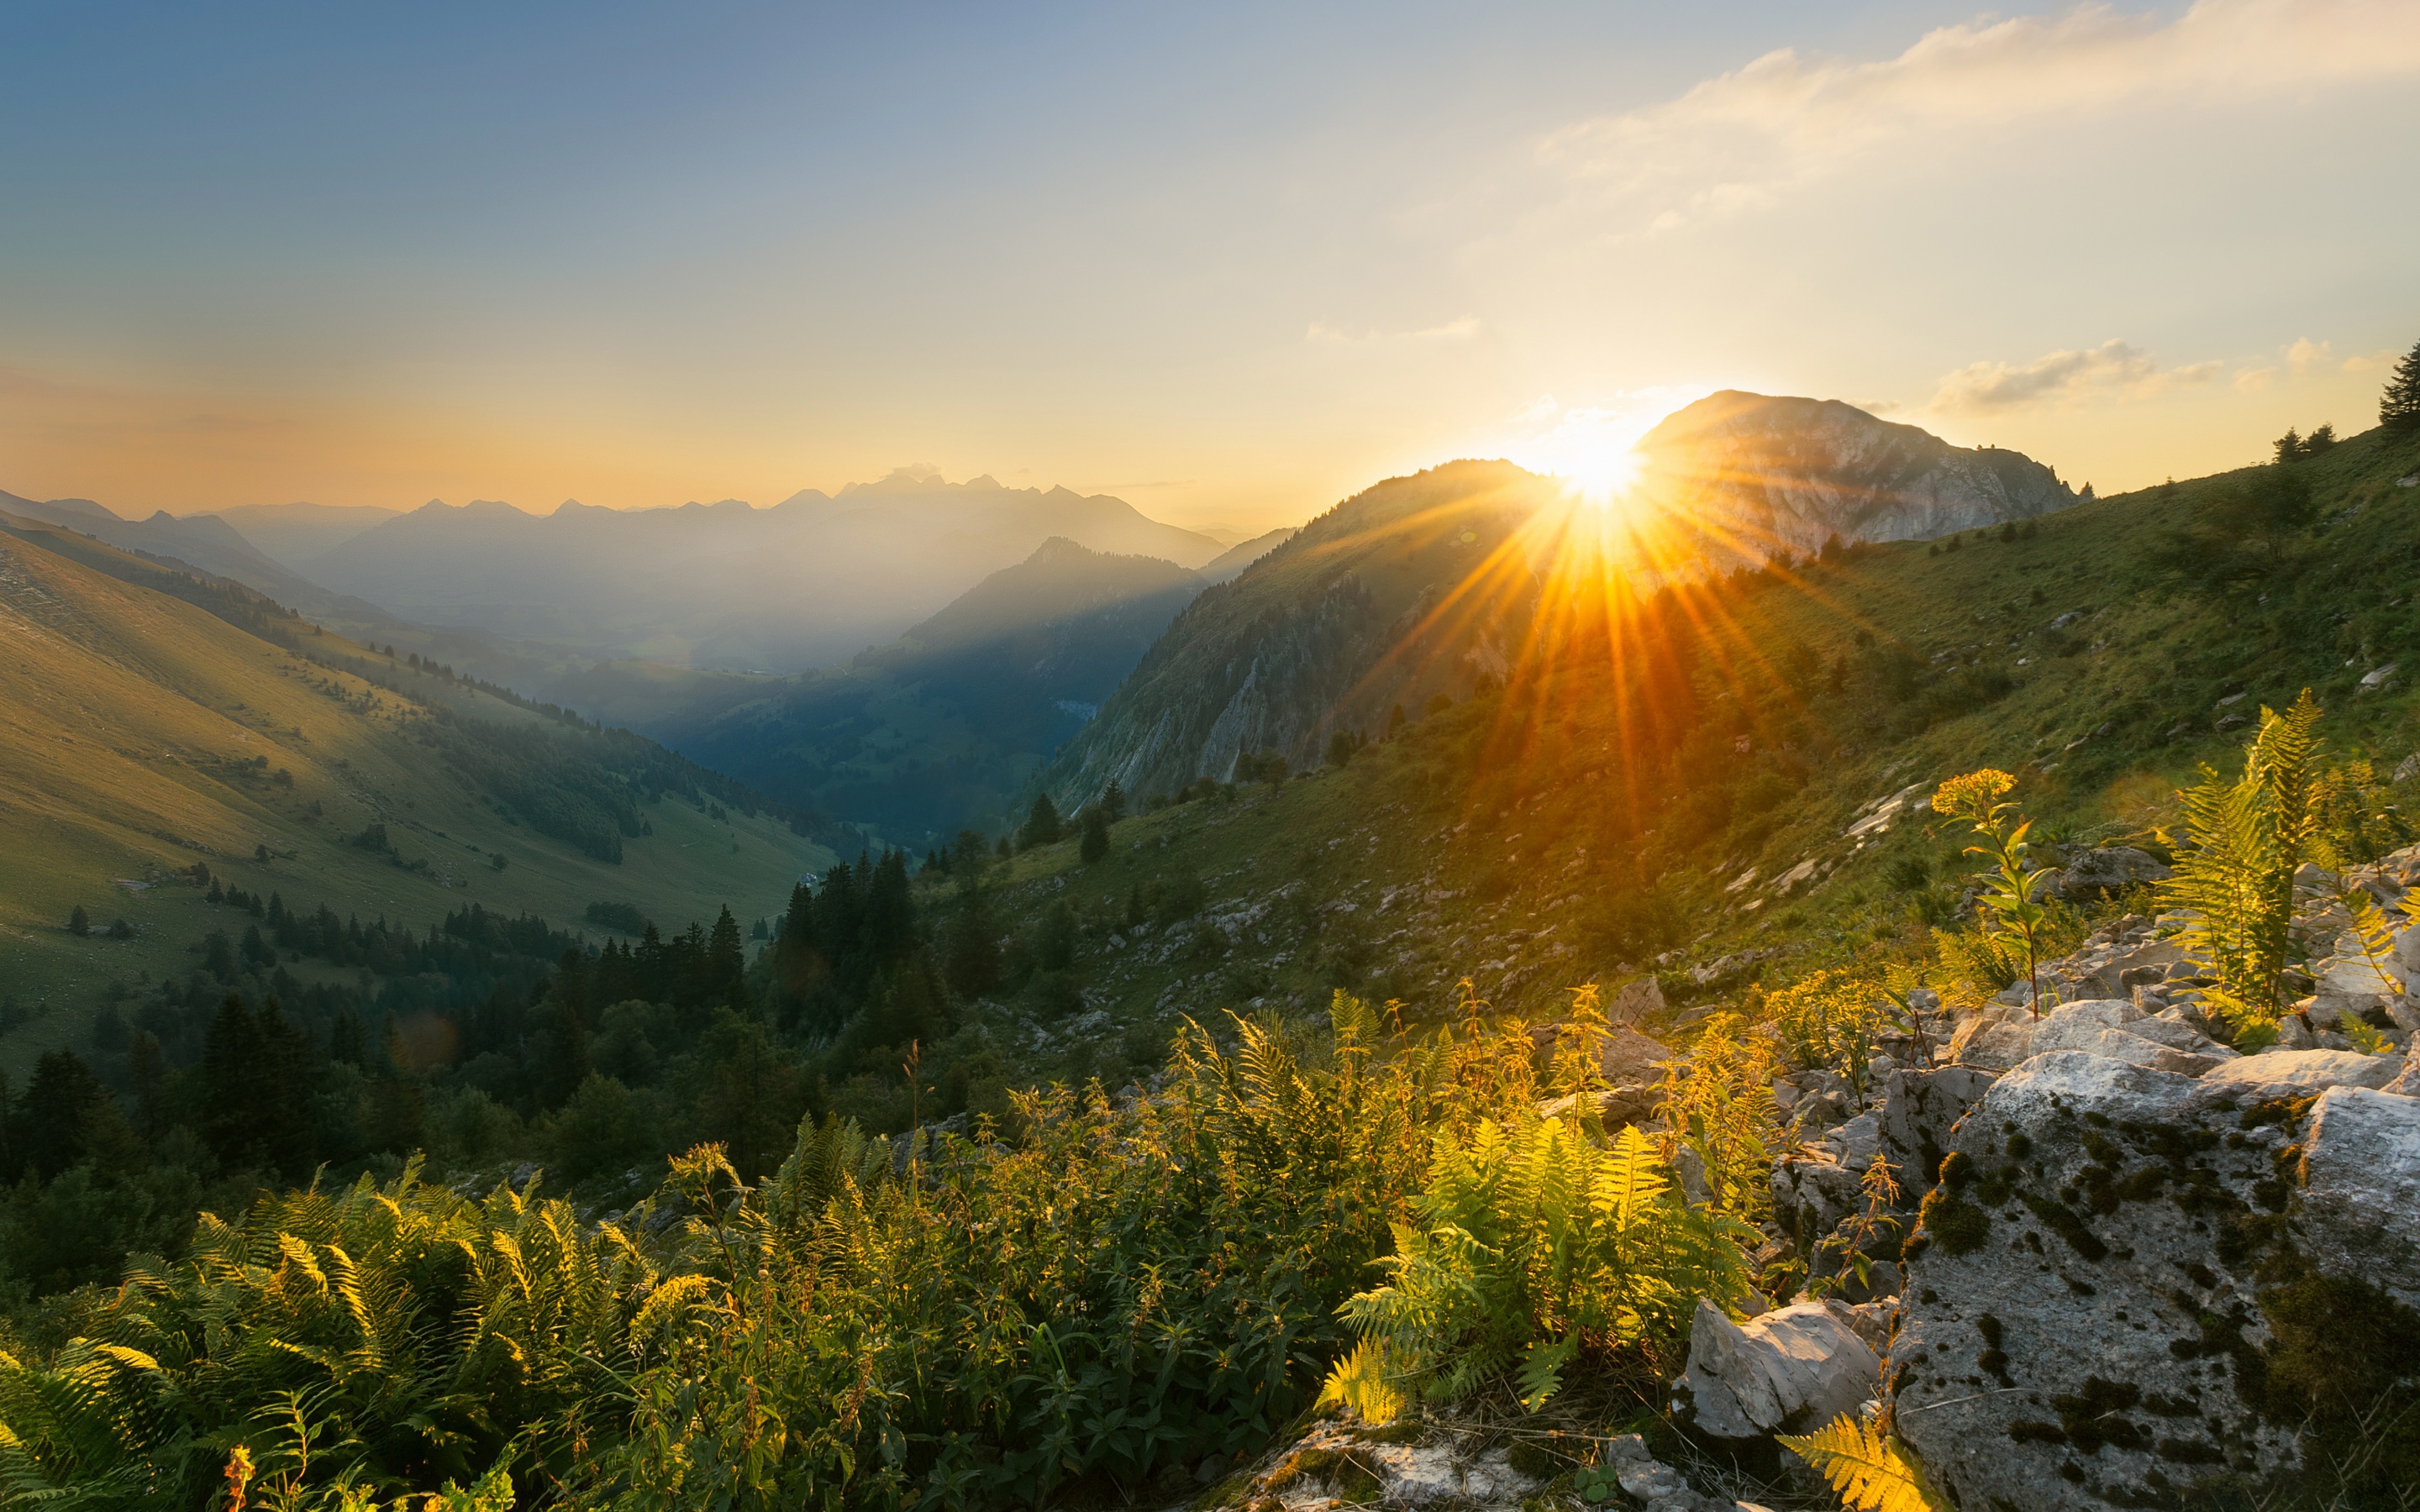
(1736, 478)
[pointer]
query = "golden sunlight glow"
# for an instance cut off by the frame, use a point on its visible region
(1603, 479)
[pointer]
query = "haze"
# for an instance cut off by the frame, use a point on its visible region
(1228, 264)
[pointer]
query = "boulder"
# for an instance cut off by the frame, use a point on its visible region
(1789, 1371)
(1635, 1000)
(2111, 869)
(2118, 1255)
(1994, 1039)
(1855, 1143)
(2360, 1188)
(1919, 1108)
(2284, 1074)
(2121, 1031)
(1630, 1058)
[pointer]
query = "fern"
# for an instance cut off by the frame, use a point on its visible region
(2234, 876)
(1871, 1470)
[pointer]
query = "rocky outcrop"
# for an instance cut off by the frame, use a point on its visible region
(2120, 1288)
(1739, 474)
(2004, 1036)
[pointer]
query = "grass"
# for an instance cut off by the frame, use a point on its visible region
(132, 729)
(1494, 840)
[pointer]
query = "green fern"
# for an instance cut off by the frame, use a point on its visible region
(1872, 1470)
(2234, 874)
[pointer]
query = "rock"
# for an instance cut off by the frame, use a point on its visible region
(2115, 1256)
(1789, 1371)
(1855, 1143)
(1635, 1000)
(2111, 869)
(2283, 1074)
(1812, 1194)
(1658, 1485)
(1348, 1461)
(1628, 1057)
(1919, 1108)
(2360, 1188)
(1994, 1040)
(2121, 1031)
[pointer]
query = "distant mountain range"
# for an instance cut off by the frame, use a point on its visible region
(805, 583)
(999, 618)
(943, 726)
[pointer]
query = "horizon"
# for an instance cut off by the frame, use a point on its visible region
(1525, 237)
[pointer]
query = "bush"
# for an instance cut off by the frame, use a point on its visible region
(79, 922)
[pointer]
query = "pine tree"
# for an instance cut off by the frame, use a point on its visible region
(726, 960)
(1043, 825)
(1095, 843)
(1113, 802)
(2289, 446)
(79, 922)
(2399, 409)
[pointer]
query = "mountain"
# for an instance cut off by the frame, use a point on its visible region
(1723, 778)
(1365, 608)
(1425, 586)
(297, 534)
(941, 727)
(201, 541)
(1230, 563)
(804, 584)
(1738, 477)
(151, 720)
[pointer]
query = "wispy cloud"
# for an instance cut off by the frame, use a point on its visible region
(1320, 333)
(2110, 370)
(1750, 136)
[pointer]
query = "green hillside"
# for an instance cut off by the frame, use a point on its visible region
(141, 733)
(1583, 817)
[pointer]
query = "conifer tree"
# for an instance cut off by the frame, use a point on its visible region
(1095, 843)
(1042, 824)
(726, 960)
(2399, 409)
(1113, 801)
(79, 922)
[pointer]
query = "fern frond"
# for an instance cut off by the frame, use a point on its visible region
(1868, 1469)
(1361, 1382)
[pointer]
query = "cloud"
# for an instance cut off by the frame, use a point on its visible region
(2112, 369)
(2377, 361)
(1320, 333)
(1748, 137)
(2305, 354)
(2254, 379)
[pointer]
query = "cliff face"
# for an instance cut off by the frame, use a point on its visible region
(1740, 477)
(1368, 607)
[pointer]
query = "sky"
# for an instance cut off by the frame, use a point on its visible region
(1231, 263)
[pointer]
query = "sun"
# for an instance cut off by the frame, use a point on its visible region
(1601, 476)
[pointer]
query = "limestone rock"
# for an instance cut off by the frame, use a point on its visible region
(1919, 1108)
(2108, 869)
(2281, 1074)
(1658, 1485)
(2102, 1260)
(1855, 1143)
(1635, 1000)
(1812, 1194)
(1788, 1371)
(2360, 1188)
(1630, 1058)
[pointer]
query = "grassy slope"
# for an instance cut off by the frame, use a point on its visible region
(1456, 850)
(125, 719)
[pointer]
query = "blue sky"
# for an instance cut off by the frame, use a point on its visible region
(1231, 262)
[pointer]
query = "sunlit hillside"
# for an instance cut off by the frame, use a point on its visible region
(1661, 783)
(141, 735)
